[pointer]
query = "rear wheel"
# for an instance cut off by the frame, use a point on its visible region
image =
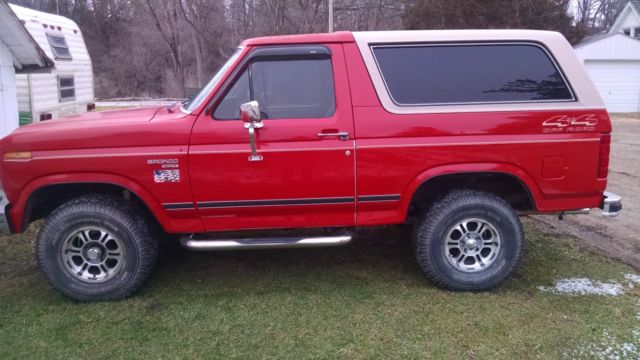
(96, 248)
(469, 241)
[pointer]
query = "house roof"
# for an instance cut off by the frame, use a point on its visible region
(41, 16)
(609, 47)
(633, 6)
(593, 38)
(25, 50)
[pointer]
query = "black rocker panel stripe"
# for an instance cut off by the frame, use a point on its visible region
(372, 198)
(220, 204)
(178, 206)
(311, 201)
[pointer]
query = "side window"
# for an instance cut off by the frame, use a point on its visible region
(59, 46)
(285, 89)
(229, 107)
(66, 88)
(470, 73)
(294, 88)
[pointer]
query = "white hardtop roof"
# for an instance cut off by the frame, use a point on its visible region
(25, 50)
(373, 37)
(587, 97)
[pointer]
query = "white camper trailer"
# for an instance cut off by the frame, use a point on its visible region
(67, 88)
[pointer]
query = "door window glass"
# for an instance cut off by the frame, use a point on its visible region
(229, 107)
(285, 89)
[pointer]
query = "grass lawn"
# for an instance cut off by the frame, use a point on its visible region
(366, 300)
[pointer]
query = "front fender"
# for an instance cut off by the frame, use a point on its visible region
(18, 208)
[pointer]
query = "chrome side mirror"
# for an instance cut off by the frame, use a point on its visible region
(250, 115)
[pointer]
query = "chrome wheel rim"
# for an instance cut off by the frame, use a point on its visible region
(92, 254)
(472, 245)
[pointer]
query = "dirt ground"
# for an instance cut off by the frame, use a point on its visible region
(618, 237)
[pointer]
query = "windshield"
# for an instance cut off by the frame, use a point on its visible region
(207, 89)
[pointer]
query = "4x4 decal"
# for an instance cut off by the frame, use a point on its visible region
(568, 123)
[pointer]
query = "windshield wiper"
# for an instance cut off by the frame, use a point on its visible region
(171, 106)
(185, 102)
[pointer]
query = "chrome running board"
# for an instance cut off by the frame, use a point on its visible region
(265, 243)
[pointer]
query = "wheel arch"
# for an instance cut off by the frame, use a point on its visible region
(41, 196)
(434, 182)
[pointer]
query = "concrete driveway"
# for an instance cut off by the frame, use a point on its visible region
(618, 237)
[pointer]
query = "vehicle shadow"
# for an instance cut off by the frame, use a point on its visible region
(377, 254)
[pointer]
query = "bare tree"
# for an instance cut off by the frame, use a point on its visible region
(593, 16)
(165, 47)
(167, 23)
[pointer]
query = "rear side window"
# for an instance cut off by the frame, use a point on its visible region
(470, 73)
(59, 46)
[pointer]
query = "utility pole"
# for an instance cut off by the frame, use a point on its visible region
(57, 8)
(330, 16)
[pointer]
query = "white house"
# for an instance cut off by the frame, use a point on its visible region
(67, 88)
(18, 50)
(613, 60)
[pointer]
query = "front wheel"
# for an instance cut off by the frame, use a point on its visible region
(96, 248)
(469, 241)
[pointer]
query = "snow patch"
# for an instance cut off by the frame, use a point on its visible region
(609, 347)
(584, 286)
(633, 279)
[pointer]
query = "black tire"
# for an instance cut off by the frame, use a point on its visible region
(119, 220)
(435, 250)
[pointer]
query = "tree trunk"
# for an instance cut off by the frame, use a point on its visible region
(197, 53)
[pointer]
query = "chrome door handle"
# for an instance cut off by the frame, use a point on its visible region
(343, 135)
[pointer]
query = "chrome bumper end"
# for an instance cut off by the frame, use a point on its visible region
(611, 204)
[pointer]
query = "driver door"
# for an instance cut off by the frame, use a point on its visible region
(304, 174)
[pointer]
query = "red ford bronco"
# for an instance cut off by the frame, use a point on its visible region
(456, 132)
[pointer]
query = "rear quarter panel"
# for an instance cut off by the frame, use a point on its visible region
(398, 152)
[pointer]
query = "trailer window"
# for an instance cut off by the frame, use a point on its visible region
(66, 88)
(59, 46)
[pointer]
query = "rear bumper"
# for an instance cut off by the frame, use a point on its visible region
(611, 204)
(4, 220)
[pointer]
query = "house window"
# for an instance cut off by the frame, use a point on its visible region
(66, 88)
(59, 47)
(627, 32)
(636, 33)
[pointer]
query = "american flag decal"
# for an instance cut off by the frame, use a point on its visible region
(161, 176)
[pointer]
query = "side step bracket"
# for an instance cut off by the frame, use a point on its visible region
(264, 243)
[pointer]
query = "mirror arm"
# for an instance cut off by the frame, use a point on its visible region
(252, 137)
(250, 115)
